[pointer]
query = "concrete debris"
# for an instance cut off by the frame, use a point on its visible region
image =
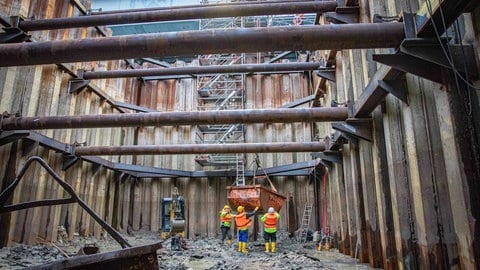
(202, 253)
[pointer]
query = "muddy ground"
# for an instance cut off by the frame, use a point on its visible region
(200, 253)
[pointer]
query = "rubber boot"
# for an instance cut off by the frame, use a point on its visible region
(240, 245)
(274, 247)
(229, 242)
(244, 247)
(267, 247)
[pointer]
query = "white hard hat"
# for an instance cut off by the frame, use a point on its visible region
(271, 210)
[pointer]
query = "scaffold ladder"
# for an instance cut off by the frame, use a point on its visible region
(240, 170)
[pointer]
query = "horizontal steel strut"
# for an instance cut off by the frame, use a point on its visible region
(291, 38)
(177, 118)
(213, 69)
(175, 14)
(199, 148)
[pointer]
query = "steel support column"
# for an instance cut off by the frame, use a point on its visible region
(175, 14)
(176, 118)
(199, 148)
(213, 69)
(314, 37)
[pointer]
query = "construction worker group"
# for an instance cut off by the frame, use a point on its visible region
(243, 221)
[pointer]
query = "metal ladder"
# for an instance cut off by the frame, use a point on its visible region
(240, 180)
(307, 213)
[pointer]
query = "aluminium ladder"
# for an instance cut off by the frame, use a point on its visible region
(307, 213)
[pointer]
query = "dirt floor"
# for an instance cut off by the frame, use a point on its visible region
(200, 253)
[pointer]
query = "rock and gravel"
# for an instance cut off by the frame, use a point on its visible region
(198, 254)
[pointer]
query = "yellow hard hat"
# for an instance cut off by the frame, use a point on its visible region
(240, 209)
(226, 207)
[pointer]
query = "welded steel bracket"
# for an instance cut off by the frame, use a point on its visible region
(426, 58)
(76, 85)
(13, 34)
(344, 15)
(327, 74)
(331, 156)
(356, 127)
(69, 161)
(397, 88)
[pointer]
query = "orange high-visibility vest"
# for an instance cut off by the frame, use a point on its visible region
(242, 221)
(226, 218)
(270, 220)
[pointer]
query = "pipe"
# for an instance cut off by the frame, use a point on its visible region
(175, 14)
(176, 118)
(178, 149)
(293, 38)
(229, 4)
(214, 69)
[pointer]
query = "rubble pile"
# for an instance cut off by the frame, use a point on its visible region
(22, 256)
(201, 253)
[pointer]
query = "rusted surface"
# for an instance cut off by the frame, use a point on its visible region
(317, 37)
(177, 118)
(229, 4)
(142, 257)
(7, 192)
(251, 196)
(200, 148)
(245, 68)
(175, 14)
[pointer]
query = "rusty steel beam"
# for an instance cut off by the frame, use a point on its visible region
(230, 4)
(213, 69)
(176, 118)
(199, 149)
(175, 14)
(308, 37)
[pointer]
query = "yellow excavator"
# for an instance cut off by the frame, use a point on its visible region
(173, 219)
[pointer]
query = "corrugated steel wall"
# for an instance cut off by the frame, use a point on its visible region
(127, 204)
(403, 200)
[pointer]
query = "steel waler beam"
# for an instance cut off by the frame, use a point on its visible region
(199, 149)
(177, 118)
(175, 14)
(229, 4)
(294, 38)
(214, 69)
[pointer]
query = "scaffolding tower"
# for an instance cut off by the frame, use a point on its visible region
(227, 91)
(221, 92)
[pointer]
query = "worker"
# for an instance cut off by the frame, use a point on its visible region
(225, 223)
(243, 222)
(270, 219)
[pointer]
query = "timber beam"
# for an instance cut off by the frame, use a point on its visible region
(176, 118)
(308, 37)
